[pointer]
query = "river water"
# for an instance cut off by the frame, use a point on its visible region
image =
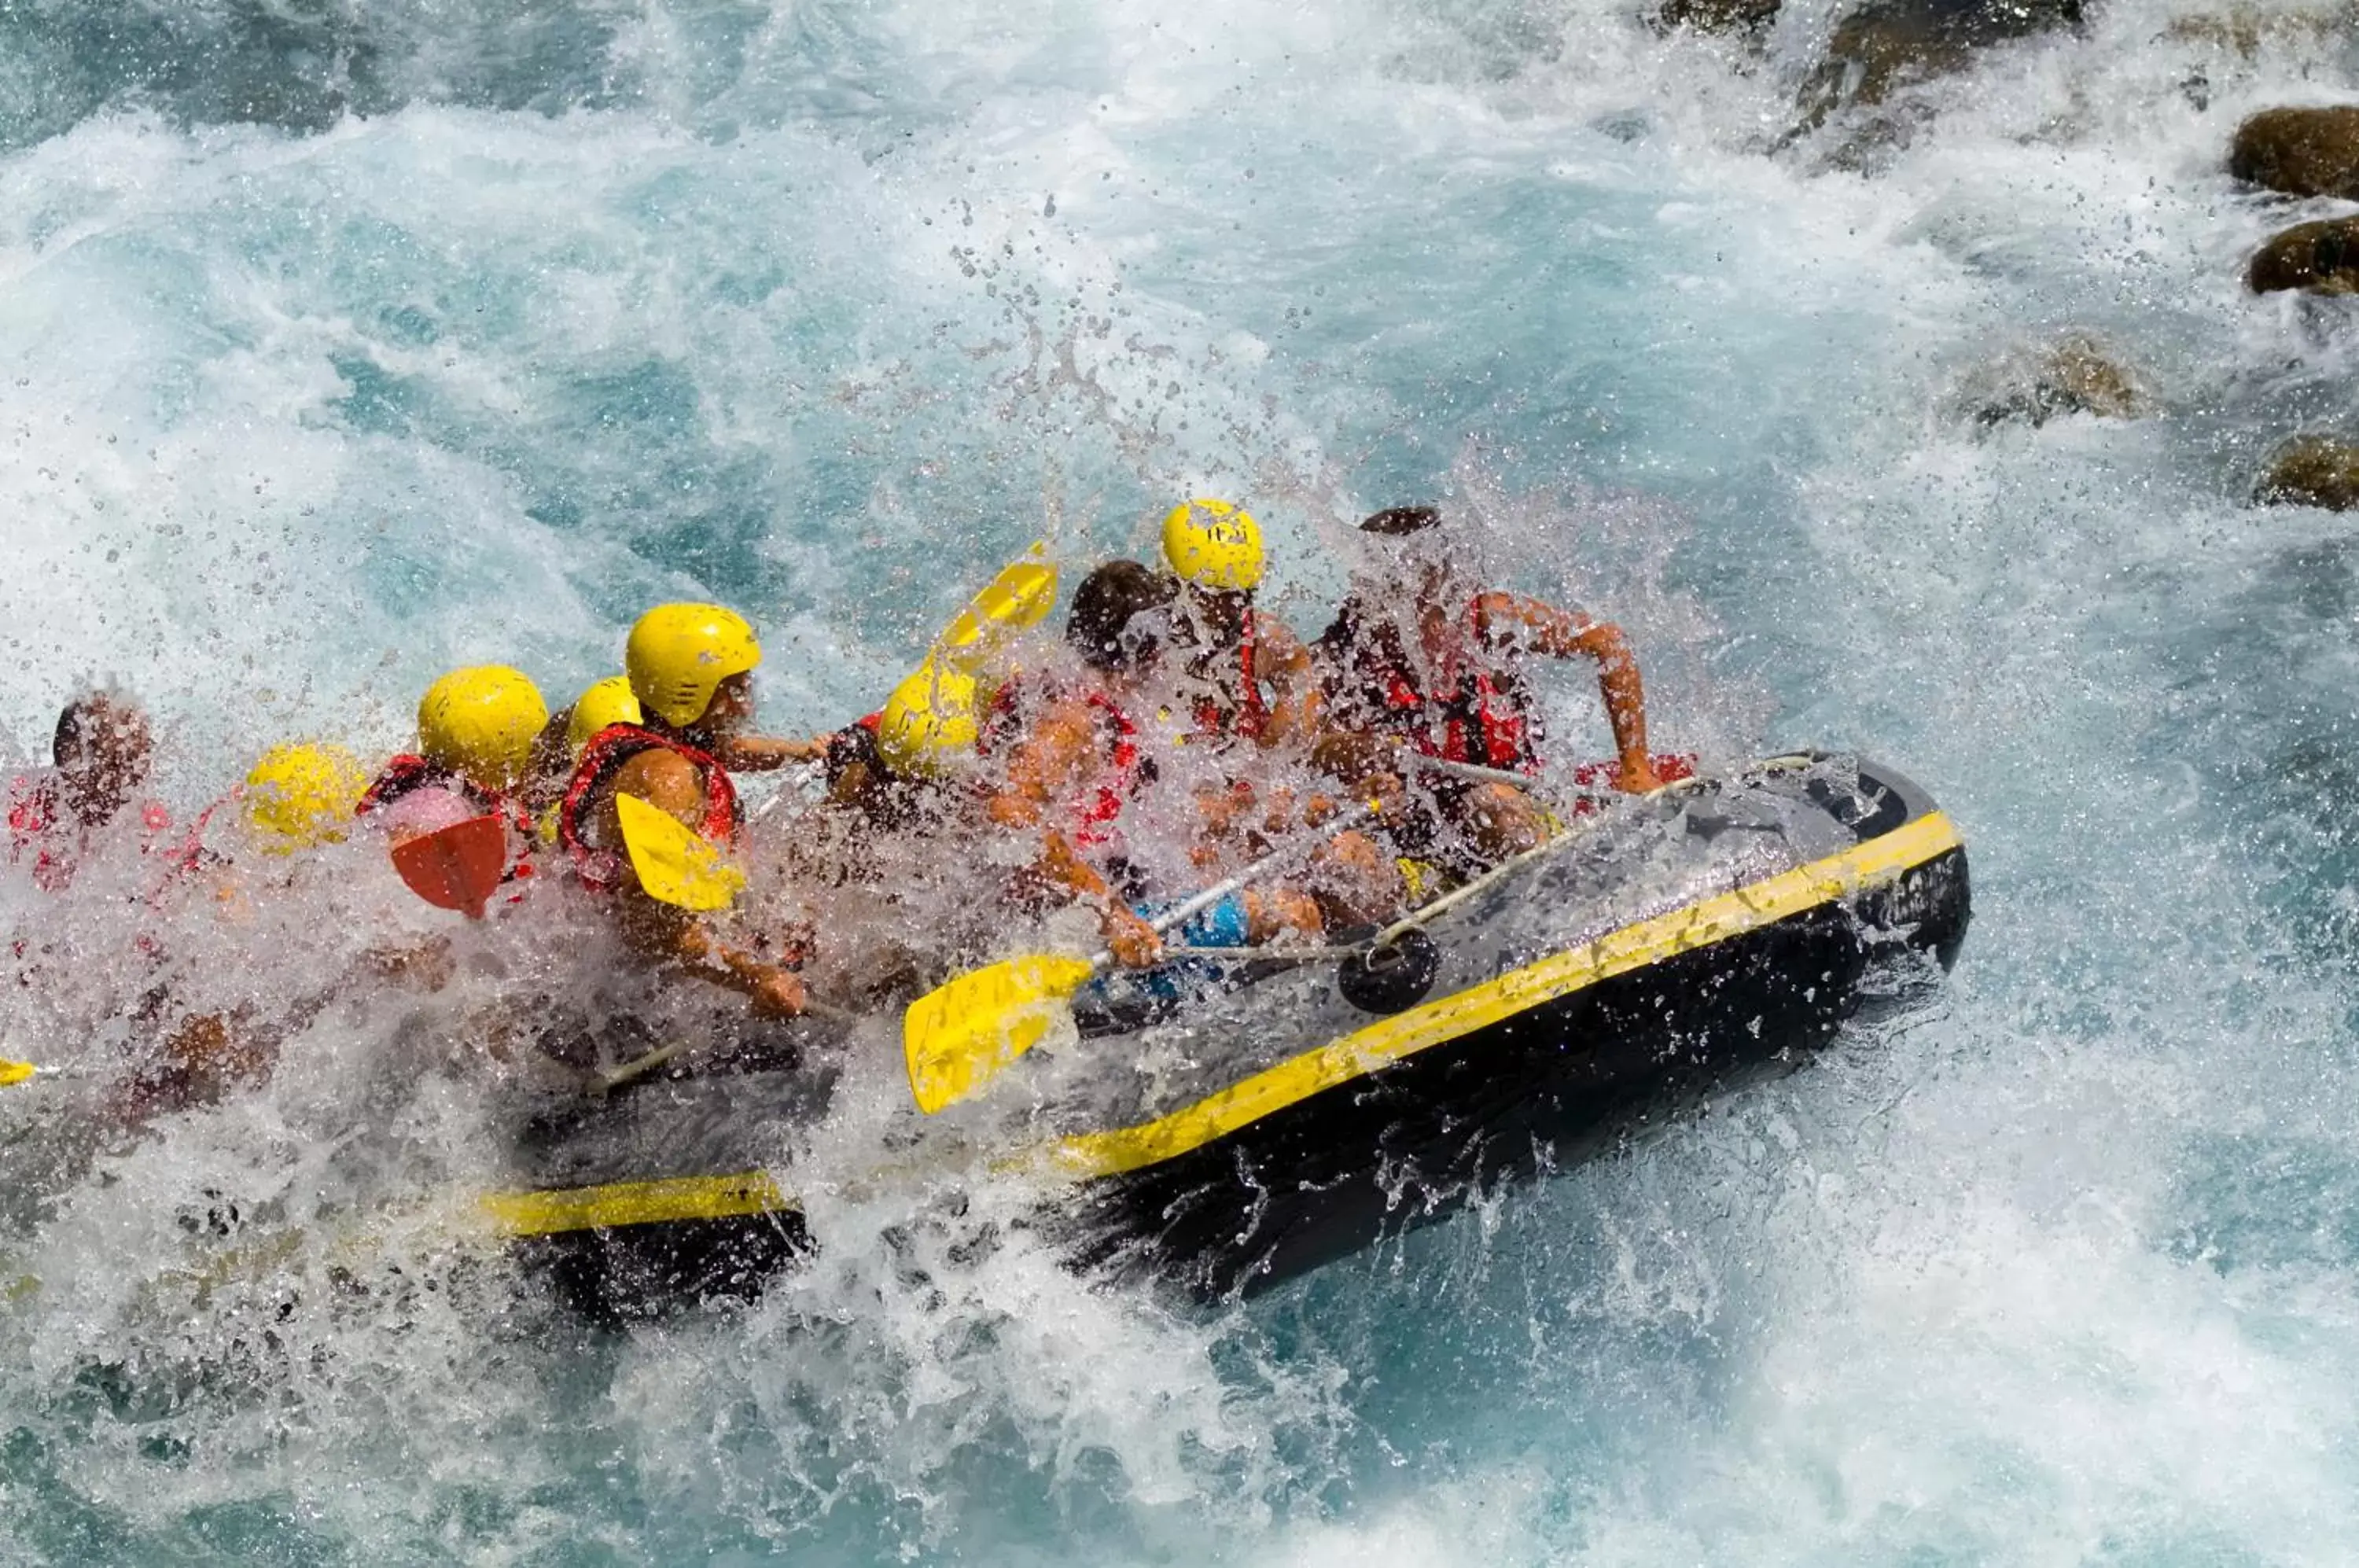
(339, 343)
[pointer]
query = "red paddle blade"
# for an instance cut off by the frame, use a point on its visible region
(458, 867)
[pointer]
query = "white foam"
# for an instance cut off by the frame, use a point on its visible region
(457, 382)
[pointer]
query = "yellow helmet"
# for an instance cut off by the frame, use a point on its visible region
(679, 655)
(299, 796)
(1214, 545)
(480, 723)
(608, 701)
(928, 721)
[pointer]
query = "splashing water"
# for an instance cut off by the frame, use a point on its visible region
(348, 342)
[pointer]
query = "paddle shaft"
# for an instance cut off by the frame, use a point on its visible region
(1408, 922)
(662, 1056)
(1424, 912)
(1180, 914)
(1267, 955)
(1473, 772)
(13, 1074)
(963, 1033)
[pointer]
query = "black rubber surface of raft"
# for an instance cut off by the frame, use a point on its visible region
(1412, 1141)
(621, 1272)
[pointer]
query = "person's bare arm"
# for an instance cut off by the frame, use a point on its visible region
(1351, 755)
(1132, 942)
(776, 991)
(666, 933)
(1283, 663)
(763, 754)
(1050, 761)
(670, 783)
(1044, 764)
(1513, 619)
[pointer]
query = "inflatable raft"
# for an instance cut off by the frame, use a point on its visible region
(1237, 1121)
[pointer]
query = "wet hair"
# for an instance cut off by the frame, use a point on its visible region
(1109, 599)
(102, 751)
(91, 719)
(1396, 522)
(74, 725)
(853, 746)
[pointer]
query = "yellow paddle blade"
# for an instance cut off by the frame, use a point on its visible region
(15, 1072)
(1019, 597)
(676, 865)
(959, 1036)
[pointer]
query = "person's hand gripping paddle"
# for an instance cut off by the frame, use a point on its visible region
(679, 866)
(961, 1035)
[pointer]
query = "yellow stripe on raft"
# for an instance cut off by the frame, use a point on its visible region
(518, 1214)
(1684, 930)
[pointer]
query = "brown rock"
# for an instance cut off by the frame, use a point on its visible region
(2302, 152)
(2312, 471)
(2323, 257)
(1887, 44)
(2077, 376)
(1717, 16)
(2247, 29)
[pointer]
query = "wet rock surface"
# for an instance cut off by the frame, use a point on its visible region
(1716, 15)
(2321, 258)
(1888, 44)
(2312, 471)
(2245, 29)
(2302, 152)
(2076, 375)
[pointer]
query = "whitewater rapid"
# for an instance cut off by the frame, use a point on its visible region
(344, 344)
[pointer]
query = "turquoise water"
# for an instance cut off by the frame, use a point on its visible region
(344, 344)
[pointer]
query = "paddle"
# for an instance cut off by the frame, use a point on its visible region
(1473, 772)
(677, 864)
(458, 867)
(959, 1036)
(15, 1072)
(1019, 598)
(663, 1056)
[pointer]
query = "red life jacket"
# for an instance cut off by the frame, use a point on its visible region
(1481, 720)
(34, 819)
(189, 854)
(1669, 769)
(1094, 816)
(405, 774)
(32, 813)
(1250, 716)
(600, 869)
(1086, 820)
